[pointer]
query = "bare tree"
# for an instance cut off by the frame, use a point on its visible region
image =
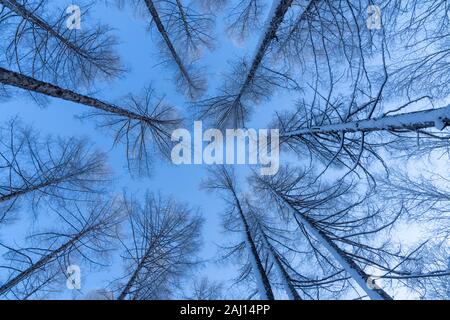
(236, 220)
(182, 30)
(245, 17)
(300, 265)
(42, 46)
(51, 169)
(423, 29)
(211, 6)
(83, 234)
(161, 251)
(371, 88)
(321, 32)
(190, 30)
(348, 230)
(327, 135)
(425, 199)
(140, 119)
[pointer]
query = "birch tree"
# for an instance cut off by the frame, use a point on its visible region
(55, 170)
(138, 120)
(164, 237)
(83, 234)
(41, 45)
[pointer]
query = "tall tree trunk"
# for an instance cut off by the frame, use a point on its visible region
(37, 21)
(289, 286)
(183, 18)
(361, 278)
(132, 280)
(18, 80)
(269, 36)
(21, 192)
(431, 118)
(39, 264)
(260, 273)
(164, 34)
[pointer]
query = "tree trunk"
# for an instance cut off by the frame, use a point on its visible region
(38, 265)
(361, 278)
(130, 282)
(289, 287)
(21, 192)
(159, 25)
(37, 21)
(133, 278)
(260, 273)
(184, 18)
(437, 118)
(18, 80)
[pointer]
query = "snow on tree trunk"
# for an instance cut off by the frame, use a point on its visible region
(262, 281)
(437, 118)
(348, 264)
(276, 15)
(159, 25)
